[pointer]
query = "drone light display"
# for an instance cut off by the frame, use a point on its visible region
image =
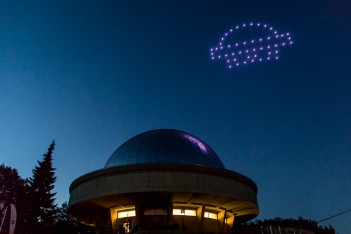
(266, 47)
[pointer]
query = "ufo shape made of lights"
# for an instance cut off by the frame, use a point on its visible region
(264, 48)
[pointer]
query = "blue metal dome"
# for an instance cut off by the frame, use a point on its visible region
(164, 146)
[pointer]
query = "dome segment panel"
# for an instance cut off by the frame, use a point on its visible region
(164, 146)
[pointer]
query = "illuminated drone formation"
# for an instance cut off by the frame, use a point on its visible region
(264, 48)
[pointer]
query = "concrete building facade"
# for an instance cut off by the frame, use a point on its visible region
(163, 180)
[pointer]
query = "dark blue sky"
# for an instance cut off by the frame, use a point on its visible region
(92, 74)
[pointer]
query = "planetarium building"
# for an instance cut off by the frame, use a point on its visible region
(163, 180)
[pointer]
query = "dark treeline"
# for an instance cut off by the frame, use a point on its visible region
(34, 201)
(279, 225)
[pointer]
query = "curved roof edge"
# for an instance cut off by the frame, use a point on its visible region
(222, 172)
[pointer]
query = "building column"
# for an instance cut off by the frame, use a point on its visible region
(138, 214)
(221, 221)
(200, 217)
(113, 217)
(170, 214)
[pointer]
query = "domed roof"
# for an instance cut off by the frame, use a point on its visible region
(164, 146)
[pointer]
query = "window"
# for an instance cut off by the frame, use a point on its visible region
(184, 212)
(125, 213)
(155, 212)
(210, 215)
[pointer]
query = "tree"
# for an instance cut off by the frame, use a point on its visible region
(64, 224)
(300, 223)
(11, 185)
(11, 194)
(41, 184)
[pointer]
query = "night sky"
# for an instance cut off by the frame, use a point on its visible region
(92, 74)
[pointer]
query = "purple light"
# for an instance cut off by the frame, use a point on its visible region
(244, 52)
(196, 142)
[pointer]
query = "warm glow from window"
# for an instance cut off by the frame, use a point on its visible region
(210, 215)
(155, 212)
(125, 213)
(184, 212)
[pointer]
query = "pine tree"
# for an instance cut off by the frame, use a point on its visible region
(43, 208)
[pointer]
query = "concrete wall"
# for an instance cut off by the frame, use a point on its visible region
(155, 186)
(111, 181)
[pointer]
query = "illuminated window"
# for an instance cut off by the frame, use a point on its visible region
(184, 212)
(155, 212)
(210, 215)
(125, 213)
